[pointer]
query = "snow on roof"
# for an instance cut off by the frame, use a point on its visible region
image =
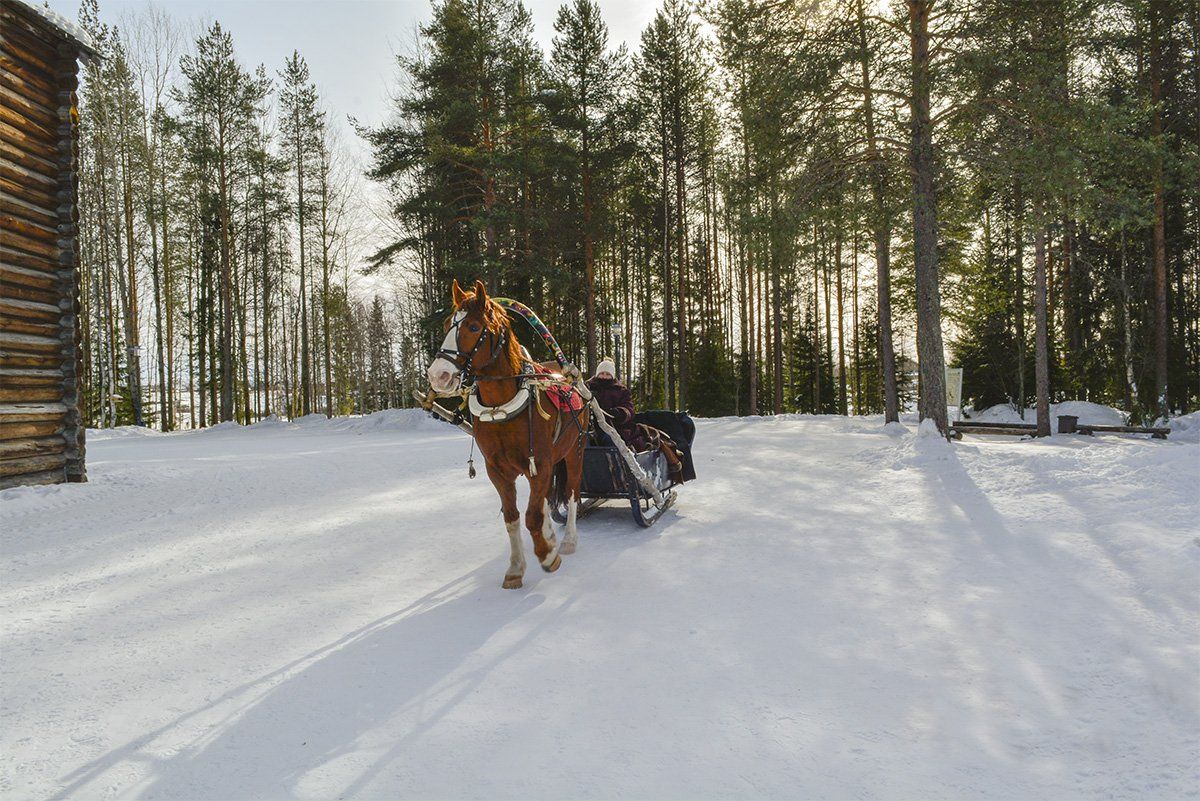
(60, 24)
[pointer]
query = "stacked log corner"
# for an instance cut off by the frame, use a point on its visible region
(41, 427)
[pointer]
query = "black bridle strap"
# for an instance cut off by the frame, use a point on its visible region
(467, 368)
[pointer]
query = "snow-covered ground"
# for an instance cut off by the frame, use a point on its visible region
(314, 611)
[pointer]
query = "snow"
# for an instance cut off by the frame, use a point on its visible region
(834, 609)
(119, 432)
(1185, 428)
(1089, 413)
(928, 429)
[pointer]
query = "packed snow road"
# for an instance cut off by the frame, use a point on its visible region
(832, 610)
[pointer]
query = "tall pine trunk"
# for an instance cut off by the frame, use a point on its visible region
(1161, 321)
(843, 406)
(325, 237)
(681, 255)
(1042, 357)
(589, 267)
(776, 304)
(932, 395)
(882, 227)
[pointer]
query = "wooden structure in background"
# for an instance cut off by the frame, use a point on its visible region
(41, 429)
(1067, 424)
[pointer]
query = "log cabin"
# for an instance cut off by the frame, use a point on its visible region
(41, 427)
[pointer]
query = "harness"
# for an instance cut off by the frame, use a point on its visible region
(507, 410)
(530, 386)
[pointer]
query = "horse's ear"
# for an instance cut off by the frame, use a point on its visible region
(457, 293)
(480, 291)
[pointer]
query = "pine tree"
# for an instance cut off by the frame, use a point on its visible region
(303, 131)
(220, 102)
(585, 75)
(672, 77)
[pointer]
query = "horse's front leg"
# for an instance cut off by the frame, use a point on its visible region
(506, 486)
(537, 520)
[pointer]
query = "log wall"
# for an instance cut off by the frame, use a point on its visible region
(41, 429)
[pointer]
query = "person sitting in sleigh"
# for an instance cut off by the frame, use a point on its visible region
(615, 399)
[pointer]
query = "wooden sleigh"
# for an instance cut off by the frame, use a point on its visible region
(608, 477)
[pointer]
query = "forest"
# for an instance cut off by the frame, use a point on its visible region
(759, 207)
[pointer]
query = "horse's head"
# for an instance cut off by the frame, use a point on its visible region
(477, 334)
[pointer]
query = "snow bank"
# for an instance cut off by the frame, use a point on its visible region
(120, 432)
(1090, 413)
(1000, 413)
(389, 420)
(929, 430)
(1185, 428)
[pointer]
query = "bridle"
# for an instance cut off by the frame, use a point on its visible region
(466, 367)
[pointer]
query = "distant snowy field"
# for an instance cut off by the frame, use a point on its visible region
(313, 610)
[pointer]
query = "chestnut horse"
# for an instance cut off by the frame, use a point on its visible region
(481, 350)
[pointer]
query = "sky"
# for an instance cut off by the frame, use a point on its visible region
(350, 45)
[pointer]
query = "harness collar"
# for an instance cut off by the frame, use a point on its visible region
(498, 414)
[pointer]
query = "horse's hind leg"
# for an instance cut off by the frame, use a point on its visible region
(571, 537)
(507, 488)
(574, 479)
(537, 520)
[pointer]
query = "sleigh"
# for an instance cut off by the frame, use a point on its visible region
(608, 477)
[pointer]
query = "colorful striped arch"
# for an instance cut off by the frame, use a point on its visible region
(520, 309)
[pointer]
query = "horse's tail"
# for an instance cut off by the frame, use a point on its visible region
(558, 486)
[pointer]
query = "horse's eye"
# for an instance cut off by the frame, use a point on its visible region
(474, 327)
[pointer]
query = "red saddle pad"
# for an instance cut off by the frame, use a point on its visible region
(564, 399)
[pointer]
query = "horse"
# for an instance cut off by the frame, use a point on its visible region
(480, 353)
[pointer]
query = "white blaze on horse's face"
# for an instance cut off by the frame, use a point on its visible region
(443, 374)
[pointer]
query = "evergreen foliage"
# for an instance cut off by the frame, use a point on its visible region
(747, 207)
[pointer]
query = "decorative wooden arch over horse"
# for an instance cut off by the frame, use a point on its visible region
(516, 432)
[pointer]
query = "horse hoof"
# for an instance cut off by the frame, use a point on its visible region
(512, 582)
(553, 565)
(567, 548)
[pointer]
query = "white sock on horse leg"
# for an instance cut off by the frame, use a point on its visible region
(572, 535)
(516, 563)
(548, 535)
(547, 523)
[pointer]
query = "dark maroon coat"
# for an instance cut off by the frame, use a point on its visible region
(615, 399)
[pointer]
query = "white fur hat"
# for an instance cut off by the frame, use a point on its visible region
(606, 365)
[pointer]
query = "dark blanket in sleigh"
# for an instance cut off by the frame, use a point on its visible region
(680, 427)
